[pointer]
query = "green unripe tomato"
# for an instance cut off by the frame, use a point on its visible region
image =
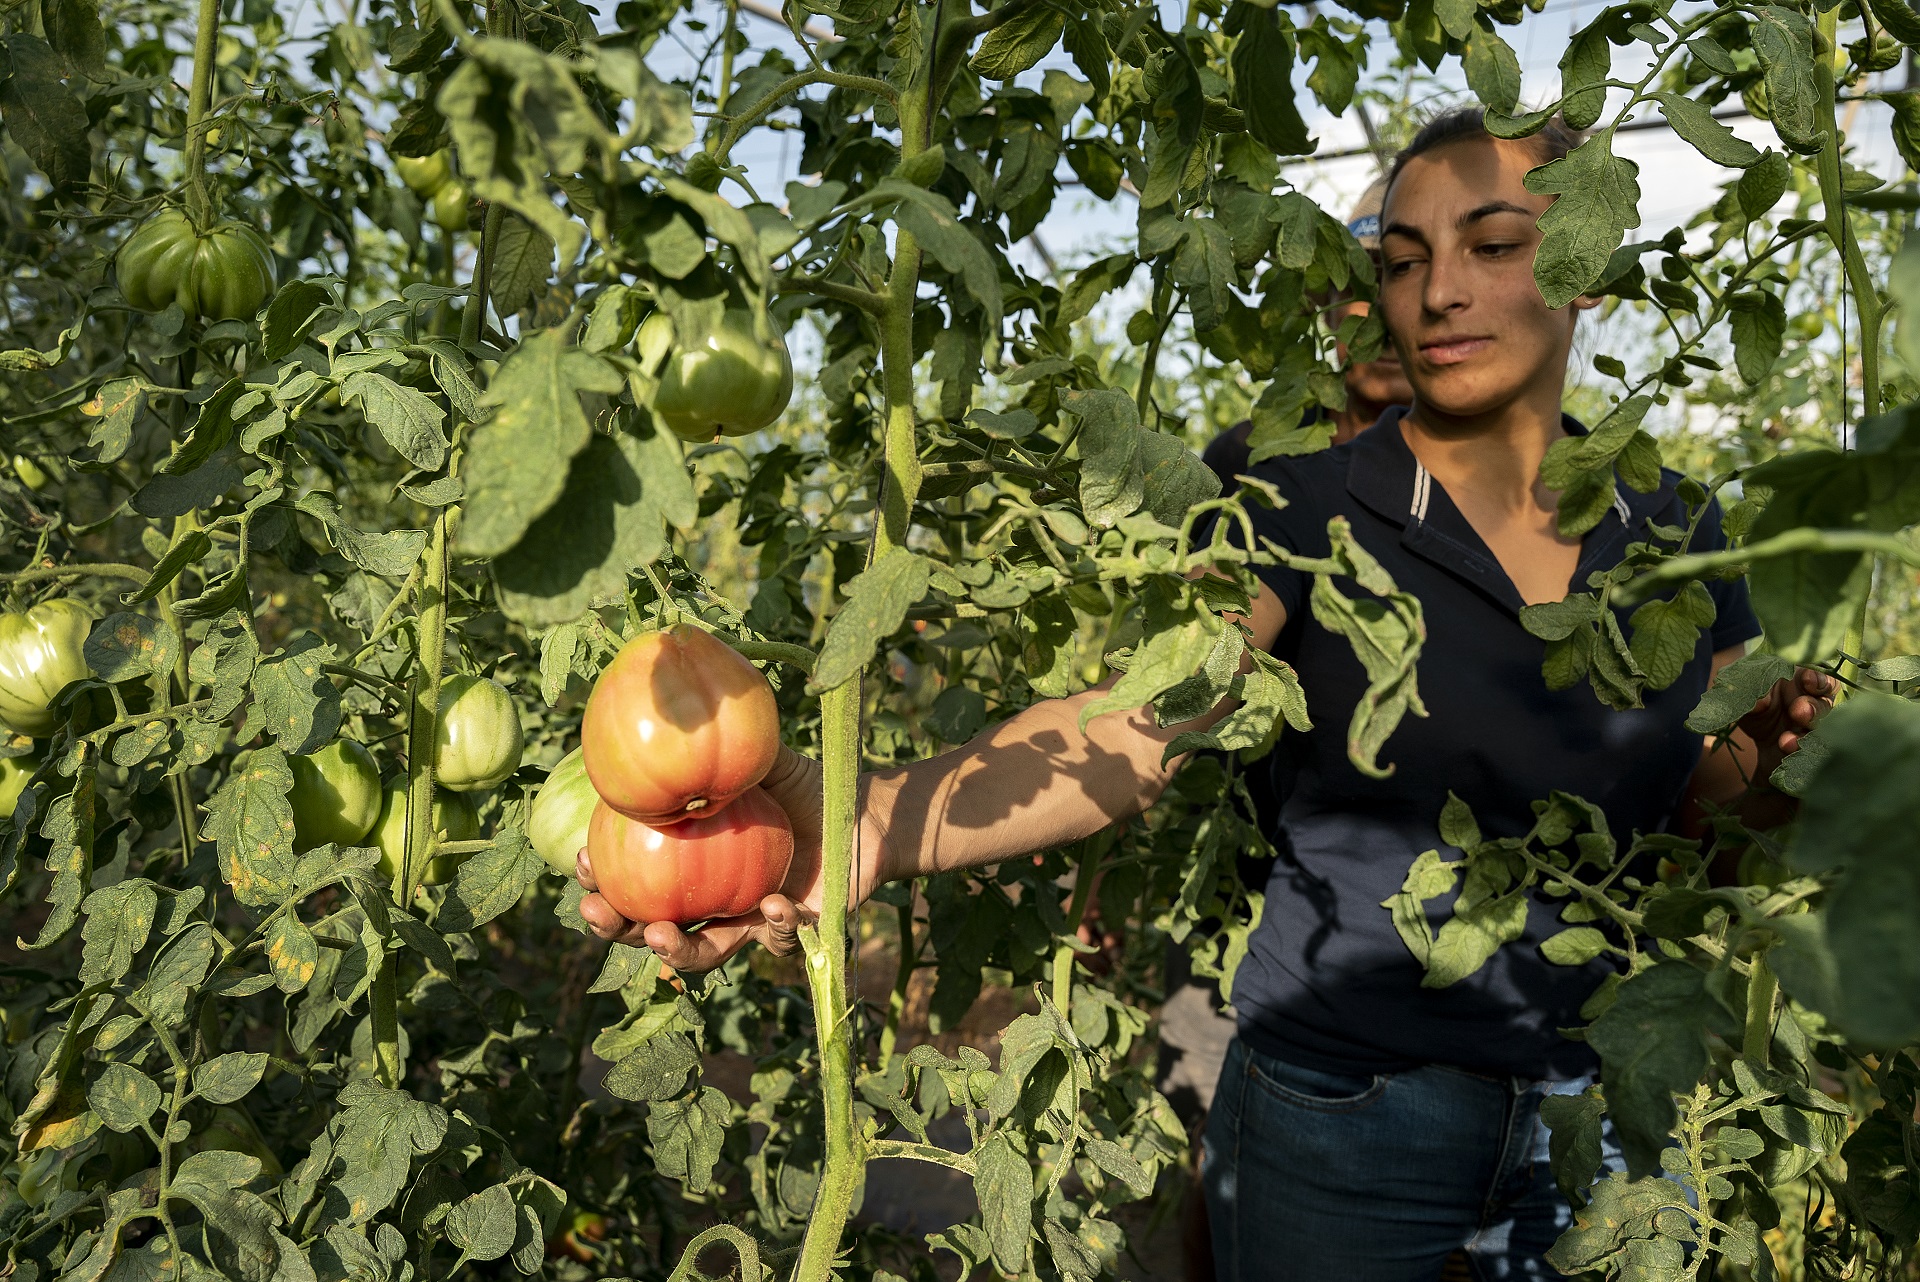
(557, 826)
(480, 740)
(224, 273)
(425, 174)
(454, 819)
(31, 474)
(449, 210)
(40, 654)
(335, 796)
(14, 773)
(730, 382)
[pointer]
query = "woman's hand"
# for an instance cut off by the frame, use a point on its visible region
(1781, 718)
(794, 782)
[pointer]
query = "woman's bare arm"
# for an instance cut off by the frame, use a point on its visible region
(1033, 782)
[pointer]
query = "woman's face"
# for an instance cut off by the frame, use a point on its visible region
(1457, 293)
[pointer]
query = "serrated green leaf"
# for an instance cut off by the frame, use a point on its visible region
(1599, 201)
(124, 1097)
(517, 465)
(251, 824)
(687, 1135)
(878, 599)
(123, 647)
(1018, 44)
(406, 418)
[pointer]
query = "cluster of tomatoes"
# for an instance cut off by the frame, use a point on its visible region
(663, 791)
(432, 179)
(337, 795)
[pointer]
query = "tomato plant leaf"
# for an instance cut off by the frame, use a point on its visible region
(176, 974)
(1693, 120)
(251, 824)
(1621, 1213)
(1575, 1143)
(293, 698)
(878, 599)
(1492, 69)
(124, 1097)
(1019, 43)
(69, 826)
(655, 1070)
(1758, 321)
(1652, 1042)
(293, 955)
(522, 265)
(1783, 42)
(518, 463)
(687, 1135)
(1853, 823)
(1666, 634)
(620, 494)
(1262, 65)
(123, 647)
(44, 116)
(485, 1223)
(1599, 201)
(226, 1078)
(408, 421)
(491, 882)
(374, 1138)
(119, 918)
(1003, 1183)
(933, 223)
(1584, 68)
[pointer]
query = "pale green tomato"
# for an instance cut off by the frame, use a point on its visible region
(733, 381)
(425, 174)
(31, 474)
(557, 826)
(14, 773)
(480, 740)
(40, 655)
(454, 819)
(335, 796)
(450, 205)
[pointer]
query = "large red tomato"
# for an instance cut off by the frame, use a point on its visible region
(714, 866)
(678, 725)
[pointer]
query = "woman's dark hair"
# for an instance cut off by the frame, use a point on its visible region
(1554, 139)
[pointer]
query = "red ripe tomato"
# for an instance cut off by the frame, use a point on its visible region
(714, 866)
(678, 725)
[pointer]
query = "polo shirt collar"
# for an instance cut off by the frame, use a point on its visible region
(1384, 475)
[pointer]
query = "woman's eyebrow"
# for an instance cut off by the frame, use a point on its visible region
(1489, 209)
(1465, 220)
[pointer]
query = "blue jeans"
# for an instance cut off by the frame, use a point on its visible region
(1322, 1177)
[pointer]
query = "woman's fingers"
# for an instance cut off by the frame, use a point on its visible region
(583, 870)
(607, 923)
(775, 927)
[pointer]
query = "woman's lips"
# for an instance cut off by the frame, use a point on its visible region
(1453, 350)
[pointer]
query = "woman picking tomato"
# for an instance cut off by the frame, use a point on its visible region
(1365, 1127)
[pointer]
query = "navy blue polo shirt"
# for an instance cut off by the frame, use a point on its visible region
(1327, 982)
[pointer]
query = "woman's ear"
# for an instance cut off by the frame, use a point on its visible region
(1587, 302)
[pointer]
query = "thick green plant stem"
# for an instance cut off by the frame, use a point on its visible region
(902, 977)
(199, 98)
(902, 480)
(423, 718)
(1756, 1045)
(1076, 909)
(825, 946)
